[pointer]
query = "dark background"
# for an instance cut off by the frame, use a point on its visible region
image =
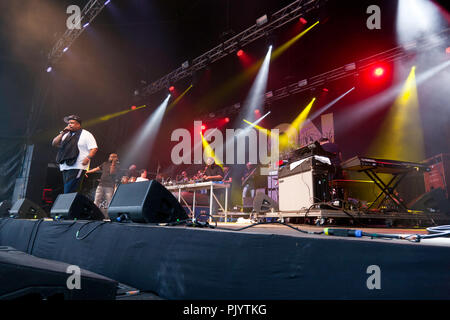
(134, 42)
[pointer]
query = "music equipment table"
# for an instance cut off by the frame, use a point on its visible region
(194, 187)
(372, 167)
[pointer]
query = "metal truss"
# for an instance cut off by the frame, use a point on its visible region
(88, 14)
(352, 69)
(291, 12)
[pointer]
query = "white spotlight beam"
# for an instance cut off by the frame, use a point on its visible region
(329, 105)
(253, 124)
(145, 137)
(255, 98)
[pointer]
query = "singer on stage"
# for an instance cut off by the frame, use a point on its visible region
(76, 148)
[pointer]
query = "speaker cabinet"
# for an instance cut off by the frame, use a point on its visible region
(73, 206)
(263, 203)
(27, 209)
(146, 201)
(26, 277)
(434, 200)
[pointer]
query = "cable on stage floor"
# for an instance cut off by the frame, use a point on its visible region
(87, 234)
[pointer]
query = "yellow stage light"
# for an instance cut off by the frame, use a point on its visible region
(401, 135)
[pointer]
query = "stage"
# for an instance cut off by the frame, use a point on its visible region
(268, 262)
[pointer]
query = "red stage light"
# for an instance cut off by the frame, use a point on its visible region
(325, 89)
(257, 111)
(172, 88)
(378, 72)
(227, 119)
(240, 53)
(133, 107)
(203, 127)
(303, 20)
(447, 50)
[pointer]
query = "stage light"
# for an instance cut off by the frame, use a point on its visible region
(65, 49)
(49, 69)
(256, 96)
(171, 88)
(175, 102)
(240, 53)
(86, 25)
(416, 18)
(227, 119)
(350, 66)
(261, 20)
(133, 107)
(288, 137)
(400, 135)
(325, 90)
(203, 127)
(145, 137)
(447, 50)
(108, 1)
(303, 20)
(378, 72)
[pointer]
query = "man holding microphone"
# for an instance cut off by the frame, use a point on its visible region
(76, 148)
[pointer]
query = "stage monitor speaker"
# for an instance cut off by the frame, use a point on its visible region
(75, 205)
(146, 201)
(26, 209)
(5, 206)
(29, 278)
(434, 200)
(263, 203)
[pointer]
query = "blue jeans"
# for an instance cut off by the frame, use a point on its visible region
(72, 180)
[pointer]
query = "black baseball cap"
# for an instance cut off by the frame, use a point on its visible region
(72, 117)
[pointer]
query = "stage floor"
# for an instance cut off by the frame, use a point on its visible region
(263, 261)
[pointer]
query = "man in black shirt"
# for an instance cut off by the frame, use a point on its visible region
(213, 172)
(105, 188)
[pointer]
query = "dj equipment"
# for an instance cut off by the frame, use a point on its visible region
(303, 183)
(26, 209)
(146, 201)
(75, 206)
(313, 149)
(372, 167)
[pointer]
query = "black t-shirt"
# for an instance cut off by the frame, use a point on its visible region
(107, 179)
(214, 170)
